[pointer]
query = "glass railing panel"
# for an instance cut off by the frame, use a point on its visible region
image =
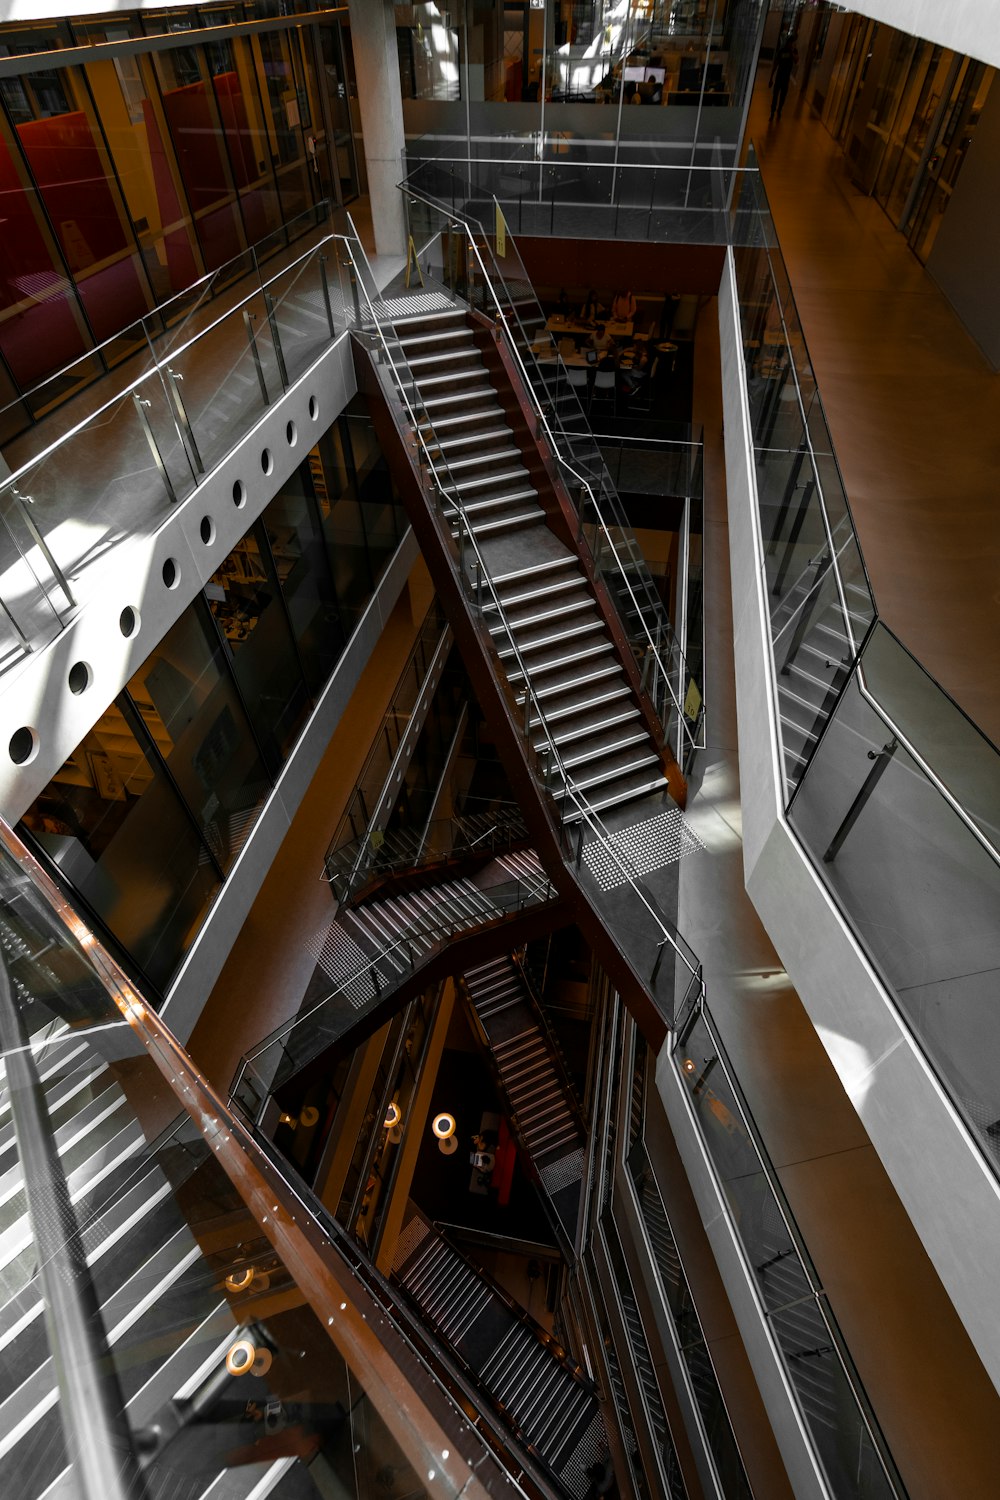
(872, 819)
(829, 1394)
(305, 310)
(106, 477)
(365, 981)
(221, 386)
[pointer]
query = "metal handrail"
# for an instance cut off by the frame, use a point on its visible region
(318, 212)
(817, 1291)
(157, 367)
(542, 418)
(532, 895)
(554, 756)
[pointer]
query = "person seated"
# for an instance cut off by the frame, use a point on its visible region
(601, 340)
(623, 307)
(591, 308)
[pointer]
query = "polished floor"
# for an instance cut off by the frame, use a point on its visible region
(913, 406)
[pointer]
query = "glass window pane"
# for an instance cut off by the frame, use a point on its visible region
(247, 608)
(114, 824)
(242, 119)
(193, 713)
(293, 531)
(190, 115)
(71, 166)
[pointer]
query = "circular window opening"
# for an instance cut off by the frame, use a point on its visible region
(239, 494)
(128, 620)
(171, 573)
(22, 747)
(266, 461)
(207, 529)
(80, 677)
(290, 434)
(313, 409)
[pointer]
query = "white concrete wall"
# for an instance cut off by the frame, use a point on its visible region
(951, 1196)
(37, 695)
(969, 26)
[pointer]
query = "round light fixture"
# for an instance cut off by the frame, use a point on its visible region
(238, 1281)
(393, 1116)
(240, 1357)
(443, 1126)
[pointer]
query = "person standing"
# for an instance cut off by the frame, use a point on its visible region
(785, 59)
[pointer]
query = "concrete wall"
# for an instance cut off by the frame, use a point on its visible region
(966, 252)
(949, 1193)
(969, 26)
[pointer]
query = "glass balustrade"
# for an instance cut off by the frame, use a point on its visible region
(890, 787)
(174, 1306)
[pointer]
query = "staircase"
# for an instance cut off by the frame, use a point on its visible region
(542, 612)
(371, 951)
(642, 1363)
(549, 1408)
(811, 673)
(535, 1086)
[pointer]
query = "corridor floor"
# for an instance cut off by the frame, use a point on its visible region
(913, 406)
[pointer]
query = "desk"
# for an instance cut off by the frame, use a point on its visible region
(557, 324)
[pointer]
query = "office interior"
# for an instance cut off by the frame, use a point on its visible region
(499, 803)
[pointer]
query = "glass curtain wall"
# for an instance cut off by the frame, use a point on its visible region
(905, 112)
(127, 177)
(149, 813)
(486, 76)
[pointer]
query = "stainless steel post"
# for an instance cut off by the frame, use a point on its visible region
(252, 341)
(140, 409)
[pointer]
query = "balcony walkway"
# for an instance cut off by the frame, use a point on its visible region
(100, 486)
(913, 406)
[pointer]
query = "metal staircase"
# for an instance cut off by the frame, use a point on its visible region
(374, 952)
(542, 611)
(550, 1408)
(813, 659)
(534, 1083)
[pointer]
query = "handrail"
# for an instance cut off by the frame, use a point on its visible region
(928, 770)
(542, 418)
(533, 895)
(554, 756)
(702, 1012)
(318, 212)
(354, 1303)
(156, 368)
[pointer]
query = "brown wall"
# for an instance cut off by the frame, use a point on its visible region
(607, 264)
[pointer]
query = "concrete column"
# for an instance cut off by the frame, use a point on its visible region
(376, 65)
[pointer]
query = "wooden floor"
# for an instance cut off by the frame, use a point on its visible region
(913, 406)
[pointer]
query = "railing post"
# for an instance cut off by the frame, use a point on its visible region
(140, 409)
(174, 377)
(324, 281)
(255, 352)
(805, 616)
(43, 546)
(881, 758)
(276, 339)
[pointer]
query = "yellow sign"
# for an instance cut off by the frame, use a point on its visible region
(412, 262)
(692, 700)
(501, 233)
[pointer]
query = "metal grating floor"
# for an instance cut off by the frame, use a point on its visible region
(642, 848)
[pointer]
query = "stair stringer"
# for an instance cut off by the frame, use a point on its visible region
(486, 673)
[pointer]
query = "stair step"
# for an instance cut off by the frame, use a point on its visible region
(506, 523)
(502, 476)
(494, 502)
(561, 609)
(595, 647)
(601, 745)
(584, 731)
(570, 710)
(598, 672)
(629, 794)
(535, 570)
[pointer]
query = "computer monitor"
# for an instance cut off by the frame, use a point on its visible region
(655, 75)
(591, 356)
(634, 75)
